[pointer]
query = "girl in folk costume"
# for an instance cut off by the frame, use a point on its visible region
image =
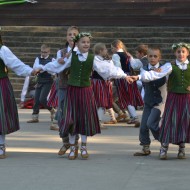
(9, 121)
(79, 108)
(128, 94)
(175, 127)
(72, 31)
(102, 88)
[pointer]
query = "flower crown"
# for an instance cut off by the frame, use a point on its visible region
(80, 35)
(180, 45)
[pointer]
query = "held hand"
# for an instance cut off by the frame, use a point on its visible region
(158, 70)
(61, 60)
(129, 79)
(135, 78)
(35, 72)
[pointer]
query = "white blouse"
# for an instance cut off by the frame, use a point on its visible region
(12, 62)
(105, 68)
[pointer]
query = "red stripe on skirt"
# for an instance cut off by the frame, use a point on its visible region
(128, 94)
(103, 93)
(79, 112)
(9, 121)
(175, 126)
(53, 97)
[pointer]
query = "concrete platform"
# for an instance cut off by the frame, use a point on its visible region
(33, 163)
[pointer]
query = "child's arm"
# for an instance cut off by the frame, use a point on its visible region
(147, 76)
(107, 70)
(56, 67)
(116, 60)
(15, 64)
(135, 63)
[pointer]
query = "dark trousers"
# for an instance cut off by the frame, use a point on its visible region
(150, 121)
(41, 93)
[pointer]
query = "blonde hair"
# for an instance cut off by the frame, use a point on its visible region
(98, 47)
(119, 45)
(45, 46)
(73, 28)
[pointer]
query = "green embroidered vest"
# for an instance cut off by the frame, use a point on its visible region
(3, 71)
(179, 80)
(80, 71)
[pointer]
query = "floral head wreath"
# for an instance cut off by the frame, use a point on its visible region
(180, 45)
(80, 35)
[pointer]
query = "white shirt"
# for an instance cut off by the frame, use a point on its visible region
(12, 62)
(105, 68)
(147, 76)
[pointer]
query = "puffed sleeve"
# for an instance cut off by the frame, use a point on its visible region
(107, 70)
(55, 67)
(15, 64)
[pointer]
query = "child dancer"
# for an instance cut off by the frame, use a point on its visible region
(72, 31)
(102, 88)
(175, 127)
(128, 94)
(79, 108)
(9, 121)
(43, 86)
(154, 101)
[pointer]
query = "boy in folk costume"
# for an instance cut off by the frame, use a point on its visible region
(43, 86)
(9, 121)
(154, 100)
(79, 108)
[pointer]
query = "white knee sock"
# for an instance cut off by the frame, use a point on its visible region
(100, 113)
(72, 139)
(2, 139)
(111, 113)
(132, 111)
(2, 142)
(83, 138)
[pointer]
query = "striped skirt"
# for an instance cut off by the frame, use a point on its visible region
(175, 126)
(128, 94)
(9, 121)
(79, 112)
(53, 97)
(102, 92)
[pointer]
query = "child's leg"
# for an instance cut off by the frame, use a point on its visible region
(100, 115)
(112, 115)
(2, 146)
(163, 151)
(181, 151)
(73, 147)
(84, 153)
(134, 117)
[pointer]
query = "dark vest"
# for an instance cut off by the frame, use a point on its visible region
(125, 64)
(95, 75)
(179, 79)
(3, 68)
(45, 76)
(80, 71)
(153, 96)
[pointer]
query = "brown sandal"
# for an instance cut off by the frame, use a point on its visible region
(84, 153)
(63, 149)
(73, 149)
(2, 147)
